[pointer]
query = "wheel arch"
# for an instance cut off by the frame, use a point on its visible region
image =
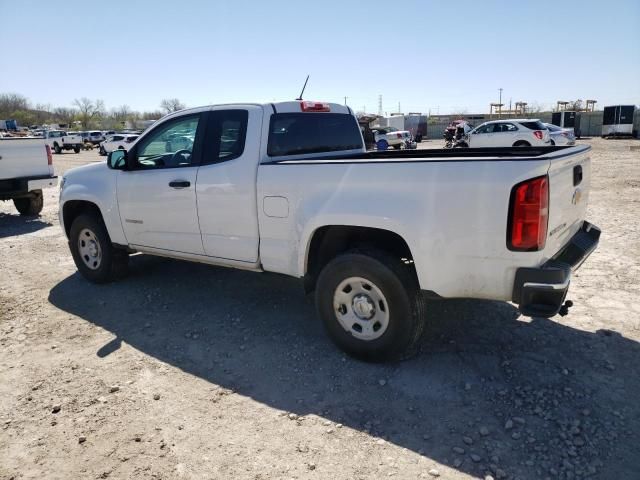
(74, 208)
(328, 241)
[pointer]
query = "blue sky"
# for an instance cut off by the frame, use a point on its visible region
(427, 55)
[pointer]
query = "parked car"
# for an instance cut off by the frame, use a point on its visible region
(59, 140)
(116, 141)
(289, 188)
(26, 168)
(83, 135)
(508, 133)
(395, 138)
(95, 137)
(561, 136)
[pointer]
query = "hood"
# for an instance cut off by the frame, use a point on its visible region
(92, 170)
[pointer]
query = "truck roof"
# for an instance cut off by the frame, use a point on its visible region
(277, 107)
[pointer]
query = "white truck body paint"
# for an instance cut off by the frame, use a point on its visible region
(451, 212)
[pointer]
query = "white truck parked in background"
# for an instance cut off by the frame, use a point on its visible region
(25, 169)
(289, 188)
(59, 140)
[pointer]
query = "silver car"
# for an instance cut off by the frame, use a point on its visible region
(560, 136)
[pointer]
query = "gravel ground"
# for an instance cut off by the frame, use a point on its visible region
(192, 372)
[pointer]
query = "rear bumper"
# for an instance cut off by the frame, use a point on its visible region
(540, 292)
(18, 187)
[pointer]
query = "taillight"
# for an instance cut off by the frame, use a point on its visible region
(529, 214)
(565, 134)
(307, 106)
(538, 134)
(49, 156)
(399, 135)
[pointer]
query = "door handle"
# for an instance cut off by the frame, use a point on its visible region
(180, 184)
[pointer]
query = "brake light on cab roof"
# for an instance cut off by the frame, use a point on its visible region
(307, 106)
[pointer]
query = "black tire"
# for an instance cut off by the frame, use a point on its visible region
(397, 147)
(102, 151)
(521, 143)
(399, 286)
(76, 149)
(113, 262)
(30, 206)
(56, 148)
(553, 144)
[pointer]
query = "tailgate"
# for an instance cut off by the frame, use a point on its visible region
(569, 181)
(23, 157)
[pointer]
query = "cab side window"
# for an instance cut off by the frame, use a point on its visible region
(170, 145)
(226, 135)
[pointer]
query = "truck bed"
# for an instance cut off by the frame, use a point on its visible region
(439, 155)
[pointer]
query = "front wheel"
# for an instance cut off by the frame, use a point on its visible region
(76, 149)
(30, 206)
(57, 148)
(102, 151)
(371, 305)
(93, 253)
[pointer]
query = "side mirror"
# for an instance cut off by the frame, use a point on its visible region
(117, 160)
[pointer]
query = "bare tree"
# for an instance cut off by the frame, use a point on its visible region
(576, 105)
(88, 110)
(171, 105)
(152, 115)
(12, 102)
(535, 107)
(64, 115)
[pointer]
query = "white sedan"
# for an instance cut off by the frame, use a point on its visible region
(115, 142)
(509, 133)
(561, 136)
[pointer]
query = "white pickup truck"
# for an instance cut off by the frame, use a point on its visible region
(289, 188)
(59, 140)
(25, 169)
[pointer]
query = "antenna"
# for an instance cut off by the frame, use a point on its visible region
(303, 87)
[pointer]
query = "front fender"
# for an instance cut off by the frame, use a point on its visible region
(98, 188)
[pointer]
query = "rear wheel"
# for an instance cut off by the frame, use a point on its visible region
(552, 143)
(57, 148)
(30, 206)
(93, 253)
(522, 143)
(76, 149)
(102, 151)
(371, 305)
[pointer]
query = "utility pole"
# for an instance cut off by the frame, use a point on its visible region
(345, 100)
(399, 107)
(500, 104)
(379, 105)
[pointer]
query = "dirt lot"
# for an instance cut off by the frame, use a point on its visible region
(191, 372)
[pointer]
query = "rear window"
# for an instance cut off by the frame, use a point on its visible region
(537, 125)
(300, 133)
